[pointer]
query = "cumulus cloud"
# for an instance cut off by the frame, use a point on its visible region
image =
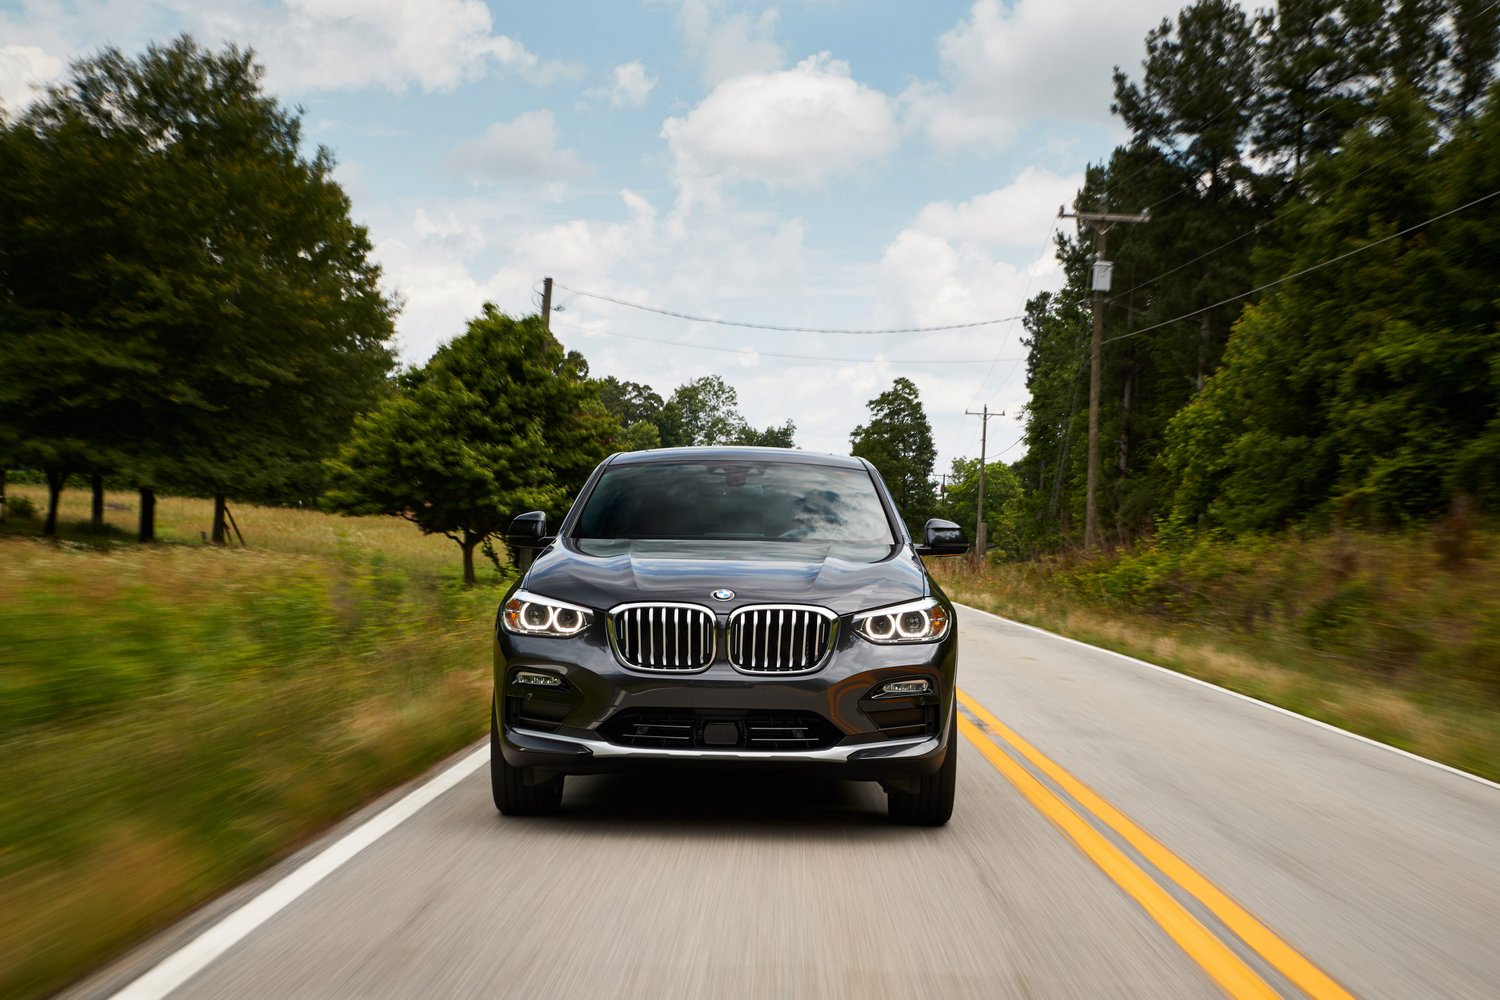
(731, 46)
(1013, 216)
(394, 44)
(523, 149)
(25, 70)
(978, 259)
(793, 128)
(1006, 65)
(631, 86)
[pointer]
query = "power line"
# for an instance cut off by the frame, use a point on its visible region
(779, 354)
(1305, 270)
(1441, 120)
(789, 329)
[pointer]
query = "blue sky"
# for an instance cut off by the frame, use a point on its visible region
(861, 164)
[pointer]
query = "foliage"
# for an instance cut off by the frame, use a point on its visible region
(1362, 389)
(183, 297)
(898, 442)
(499, 422)
(20, 507)
(705, 411)
(1002, 504)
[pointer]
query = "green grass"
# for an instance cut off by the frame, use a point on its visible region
(175, 717)
(1392, 636)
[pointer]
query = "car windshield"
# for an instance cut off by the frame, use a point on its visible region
(735, 499)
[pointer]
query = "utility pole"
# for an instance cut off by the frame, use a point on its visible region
(984, 427)
(547, 304)
(1101, 223)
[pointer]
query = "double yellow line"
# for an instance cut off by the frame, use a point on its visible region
(1215, 957)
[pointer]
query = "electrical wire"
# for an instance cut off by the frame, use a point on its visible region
(780, 354)
(1305, 270)
(788, 329)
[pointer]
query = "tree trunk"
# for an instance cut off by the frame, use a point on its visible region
(2, 494)
(1125, 418)
(470, 540)
(148, 515)
(96, 512)
(219, 504)
(55, 481)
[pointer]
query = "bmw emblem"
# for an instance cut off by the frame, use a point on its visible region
(722, 594)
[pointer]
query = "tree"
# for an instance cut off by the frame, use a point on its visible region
(701, 412)
(184, 300)
(770, 437)
(1002, 503)
(497, 423)
(898, 442)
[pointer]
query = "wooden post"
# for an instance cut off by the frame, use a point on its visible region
(147, 531)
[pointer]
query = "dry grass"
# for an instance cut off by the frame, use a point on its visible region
(295, 531)
(174, 717)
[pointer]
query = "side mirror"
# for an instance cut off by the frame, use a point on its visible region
(942, 538)
(528, 531)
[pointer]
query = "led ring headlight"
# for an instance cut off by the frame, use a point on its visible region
(531, 614)
(918, 621)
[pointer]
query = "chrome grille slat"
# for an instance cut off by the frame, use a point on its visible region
(780, 639)
(663, 638)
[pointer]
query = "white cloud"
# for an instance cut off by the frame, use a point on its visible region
(975, 260)
(632, 85)
(395, 44)
(1006, 65)
(522, 149)
(25, 70)
(793, 128)
(1014, 216)
(727, 47)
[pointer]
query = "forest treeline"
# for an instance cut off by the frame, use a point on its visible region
(1305, 330)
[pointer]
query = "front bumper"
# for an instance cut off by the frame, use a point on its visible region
(578, 729)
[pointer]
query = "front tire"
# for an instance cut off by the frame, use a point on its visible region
(932, 803)
(513, 796)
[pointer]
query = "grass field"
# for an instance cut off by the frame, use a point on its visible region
(174, 717)
(1392, 636)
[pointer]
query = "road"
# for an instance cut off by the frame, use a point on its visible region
(1121, 831)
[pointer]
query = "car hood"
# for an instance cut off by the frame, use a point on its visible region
(601, 574)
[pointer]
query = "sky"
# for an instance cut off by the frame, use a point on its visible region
(861, 165)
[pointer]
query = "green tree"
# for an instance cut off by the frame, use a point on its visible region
(1003, 497)
(898, 442)
(497, 423)
(1365, 387)
(704, 411)
(184, 300)
(770, 437)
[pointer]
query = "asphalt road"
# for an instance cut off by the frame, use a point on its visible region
(1120, 832)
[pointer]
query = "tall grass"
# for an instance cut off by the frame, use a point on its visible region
(173, 717)
(1393, 636)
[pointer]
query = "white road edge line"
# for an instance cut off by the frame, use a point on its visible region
(1235, 694)
(180, 966)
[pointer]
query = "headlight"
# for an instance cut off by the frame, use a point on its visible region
(919, 621)
(530, 614)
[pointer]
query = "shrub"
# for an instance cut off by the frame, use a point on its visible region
(20, 508)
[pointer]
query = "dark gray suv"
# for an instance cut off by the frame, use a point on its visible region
(707, 607)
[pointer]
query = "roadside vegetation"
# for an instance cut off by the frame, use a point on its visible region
(175, 717)
(1395, 636)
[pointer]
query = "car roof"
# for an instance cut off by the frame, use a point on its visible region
(719, 453)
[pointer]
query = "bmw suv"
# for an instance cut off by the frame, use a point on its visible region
(707, 607)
